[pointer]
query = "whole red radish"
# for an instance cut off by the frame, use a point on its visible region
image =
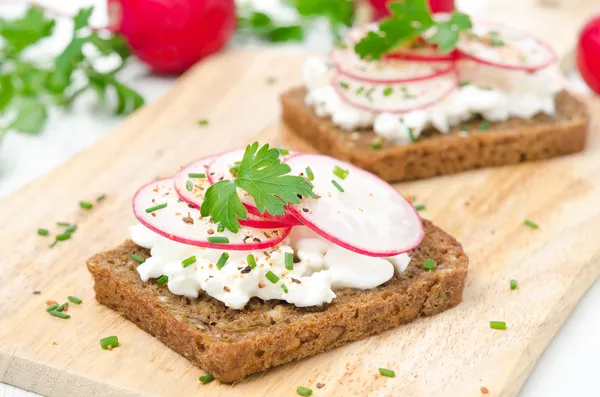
(172, 35)
(380, 7)
(588, 53)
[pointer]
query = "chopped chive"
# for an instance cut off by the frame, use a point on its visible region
(531, 224)
(283, 151)
(86, 205)
(420, 207)
(369, 92)
(388, 91)
(63, 236)
(74, 299)
(387, 372)
(156, 208)
(360, 89)
(222, 260)
(251, 261)
(337, 186)
(284, 288)
(137, 258)
(344, 85)
(271, 277)
(59, 314)
(411, 135)
(428, 264)
(101, 197)
(203, 122)
(162, 280)
(63, 224)
(189, 186)
(464, 127)
(377, 143)
(289, 261)
(62, 307)
(497, 324)
(188, 261)
(42, 232)
(220, 228)
(109, 342)
(484, 125)
(464, 83)
(206, 379)
(304, 391)
(197, 175)
(51, 308)
(513, 284)
(405, 93)
(309, 174)
(340, 172)
(70, 229)
(54, 244)
(218, 240)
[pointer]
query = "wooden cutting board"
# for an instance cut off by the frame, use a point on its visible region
(452, 354)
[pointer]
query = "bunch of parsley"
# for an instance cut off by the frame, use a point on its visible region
(28, 89)
(340, 13)
(409, 20)
(262, 175)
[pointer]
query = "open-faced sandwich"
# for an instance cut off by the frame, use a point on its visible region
(257, 257)
(420, 95)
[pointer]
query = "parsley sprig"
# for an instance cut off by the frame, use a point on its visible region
(409, 20)
(28, 89)
(262, 175)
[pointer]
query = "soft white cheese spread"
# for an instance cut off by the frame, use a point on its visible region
(494, 94)
(321, 267)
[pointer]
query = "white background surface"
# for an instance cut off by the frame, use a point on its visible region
(569, 367)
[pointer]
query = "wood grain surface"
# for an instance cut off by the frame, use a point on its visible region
(452, 354)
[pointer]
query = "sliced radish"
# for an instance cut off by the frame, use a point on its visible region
(426, 53)
(395, 97)
(181, 222)
(190, 177)
(220, 169)
(505, 47)
(369, 217)
(269, 222)
(387, 71)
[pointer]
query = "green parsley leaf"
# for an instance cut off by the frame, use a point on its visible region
(262, 175)
(23, 32)
(285, 33)
(447, 32)
(31, 115)
(81, 20)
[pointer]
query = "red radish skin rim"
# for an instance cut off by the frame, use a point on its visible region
(340, 70)
(233, 247)
(453, 56)
(175, 177)
(336, 241)
(514, 67)
(266, 224)
(374, 110)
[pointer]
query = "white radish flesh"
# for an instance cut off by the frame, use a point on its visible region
(181, 222)
(190, 177)
(369, 217)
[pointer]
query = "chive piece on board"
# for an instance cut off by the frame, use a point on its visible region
(531, 224)
(189, 186)
(86, 205)
(137, 258)
(156, 208)
(420, 207)
(387, 372)
(251, 261)
(428, 264)
(218, 240)
(162, 280)
(304, 391)
(188, 261)
(42, 232)
(70, 229)
(197, 175)
(497, 324)
(109, 342)
(271, 277)
(63, 224)
(513, 284)
(340, 172)
(337, 186)
(222, 260)
(206, 378)
(63, 236)
(59, 314)
(74, 299)
(203, 122)
(51, 308)
(101, 197)
(289, 261)
(62, 307)
(309, 173)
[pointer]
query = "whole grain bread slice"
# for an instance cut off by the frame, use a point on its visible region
(231, 344)
(465, 147)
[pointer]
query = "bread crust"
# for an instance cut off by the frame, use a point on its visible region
(508, 142)
(231, 344)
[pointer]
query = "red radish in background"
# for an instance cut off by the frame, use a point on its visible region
(380, 7)
(588, 53)
(172, 35)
